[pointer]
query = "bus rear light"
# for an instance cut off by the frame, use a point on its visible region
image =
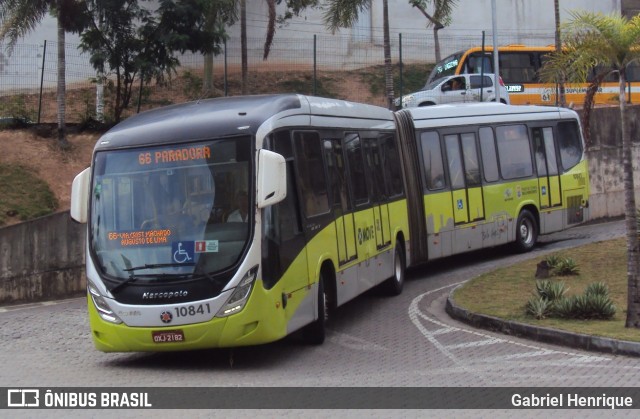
(101, 305)
(240, 295)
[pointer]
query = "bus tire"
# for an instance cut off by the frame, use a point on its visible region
(426, 104)
(526, 231)
(315, 332)
(393, 286)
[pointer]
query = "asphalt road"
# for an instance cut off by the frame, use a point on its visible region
(404, 341)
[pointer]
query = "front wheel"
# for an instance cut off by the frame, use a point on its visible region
(526, 231)
(393, 286)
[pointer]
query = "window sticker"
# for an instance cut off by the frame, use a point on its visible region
(206, 246)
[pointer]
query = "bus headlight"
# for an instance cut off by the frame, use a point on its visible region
(101, 305)
(240, 295)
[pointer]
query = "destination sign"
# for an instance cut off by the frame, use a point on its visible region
(177, 154)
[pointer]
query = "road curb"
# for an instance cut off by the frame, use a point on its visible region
(541, 334)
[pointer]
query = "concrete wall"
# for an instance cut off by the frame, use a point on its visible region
(605, 160)
(43, 259)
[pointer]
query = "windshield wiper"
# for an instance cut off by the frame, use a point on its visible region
(133, 277)
(158, 265)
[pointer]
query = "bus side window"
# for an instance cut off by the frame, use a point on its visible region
(454, 161)
(357, 176)
(514, 151)
(432, 160)
(374, 169)
(470, 154)
(392, 166)
(489, 156)
(313, 184)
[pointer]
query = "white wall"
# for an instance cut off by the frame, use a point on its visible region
(469, 17)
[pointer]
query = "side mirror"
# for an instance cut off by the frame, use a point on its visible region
(272, 178)
(80, 196)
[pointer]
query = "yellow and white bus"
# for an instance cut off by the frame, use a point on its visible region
(519, 69)
(238, 221)
(482, 175)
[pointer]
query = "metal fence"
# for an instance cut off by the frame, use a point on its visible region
(334, 66)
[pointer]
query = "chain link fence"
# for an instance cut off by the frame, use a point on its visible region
(335, 66)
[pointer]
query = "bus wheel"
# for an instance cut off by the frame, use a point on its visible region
(314, 333)
(526, 231)
(393, 286)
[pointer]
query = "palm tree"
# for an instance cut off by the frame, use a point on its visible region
(440, 18)
(556, 9)
(344, 13)
(610, 43)
(19, 17)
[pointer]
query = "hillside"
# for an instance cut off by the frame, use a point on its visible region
(42, 156)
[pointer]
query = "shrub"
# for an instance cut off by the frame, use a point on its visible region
(538, 307)
(565, 267)
(550, 290)
(597, 288)
(586, 306)
(553, 260)
(565, 308)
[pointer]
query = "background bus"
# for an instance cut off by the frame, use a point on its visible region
(168, 268)
(519, 69)
(481, 175)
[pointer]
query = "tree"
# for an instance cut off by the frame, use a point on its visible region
(133, 41)
(344, 13)
(608, 43)
(440, 18)
(19, 17)
(292, 8)
(556, 10)
(217, 15)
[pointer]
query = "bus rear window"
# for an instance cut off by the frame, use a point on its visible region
(569, 144)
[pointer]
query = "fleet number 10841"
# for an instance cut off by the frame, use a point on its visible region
(194, 310)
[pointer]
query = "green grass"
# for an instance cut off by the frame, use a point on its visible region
(503, 293)
(23, 194)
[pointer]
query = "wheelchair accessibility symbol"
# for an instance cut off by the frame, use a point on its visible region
(460, 204)
(182, 251)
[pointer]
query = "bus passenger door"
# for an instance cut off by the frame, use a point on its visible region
(380, 208)
(548, 178)
(344, 222)
(468, 202)
(547, 165)
(464, 174)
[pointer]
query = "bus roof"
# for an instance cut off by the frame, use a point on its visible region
(227, 116)
(464, 113)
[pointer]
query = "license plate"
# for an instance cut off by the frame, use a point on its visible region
(168, 336)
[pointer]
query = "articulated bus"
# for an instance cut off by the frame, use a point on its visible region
(482, 175)
(519, 69)
(238, 221)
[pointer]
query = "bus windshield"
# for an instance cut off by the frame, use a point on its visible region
(446, 67)
(173, 211)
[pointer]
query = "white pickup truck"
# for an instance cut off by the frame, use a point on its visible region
(453, 89)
